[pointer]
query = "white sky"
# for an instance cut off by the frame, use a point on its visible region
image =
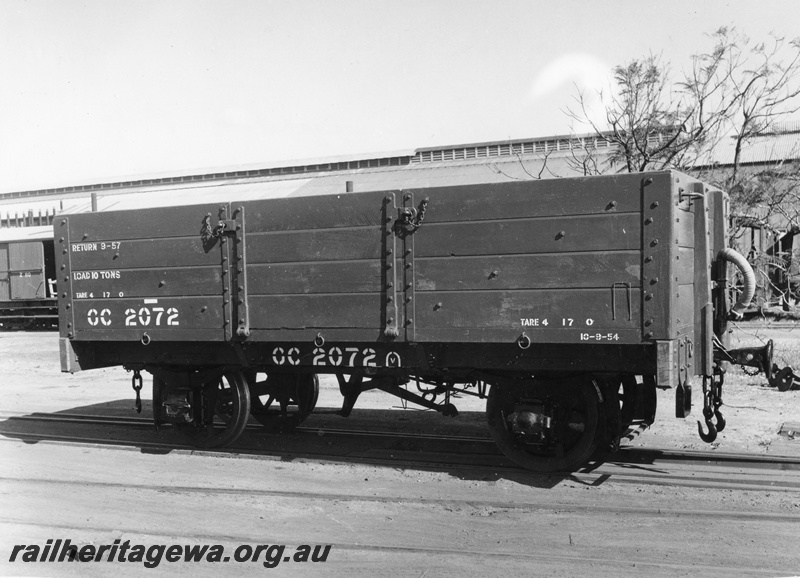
(92, 89)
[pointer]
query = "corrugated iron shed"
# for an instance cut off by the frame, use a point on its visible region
(780, 144)
(401, 177)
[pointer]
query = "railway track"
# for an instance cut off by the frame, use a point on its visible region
(413, 450)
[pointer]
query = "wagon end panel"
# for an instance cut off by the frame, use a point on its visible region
(142, 276)
(695, 238)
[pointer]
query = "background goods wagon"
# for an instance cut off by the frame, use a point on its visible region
(566, 302)
(27, 278)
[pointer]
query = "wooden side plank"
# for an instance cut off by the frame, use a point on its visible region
(174, 281)
(130, 318)
(318, 212)
(162, 222)
(318, 311)
(563, 310)
(196, 335)
(613, 232)
(536, 198)
(323, 245)
(323, 277)
(145, 253)
(537, 336)
(575, 270)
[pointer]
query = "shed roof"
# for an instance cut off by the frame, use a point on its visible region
(419, 175)
(26, 234)
(781, 143)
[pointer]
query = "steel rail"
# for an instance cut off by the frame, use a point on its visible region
(650, 467)
(467, 502)
(625, 455)
(437, 461)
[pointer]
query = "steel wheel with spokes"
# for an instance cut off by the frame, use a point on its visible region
(220, 410)
(546, 425)
(281, 402)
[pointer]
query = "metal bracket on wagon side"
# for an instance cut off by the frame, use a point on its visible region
(389, 273)
(398, 236)
(66, 309)
(409, 218)
(240, 254)
(231, 233)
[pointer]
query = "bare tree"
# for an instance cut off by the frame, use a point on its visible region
(738, 90)
(728, 99)
(651, 123)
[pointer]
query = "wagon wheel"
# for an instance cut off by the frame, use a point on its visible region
(546, 425)
(221, 407)
(281, 402)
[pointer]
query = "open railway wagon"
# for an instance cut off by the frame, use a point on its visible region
(567, 303)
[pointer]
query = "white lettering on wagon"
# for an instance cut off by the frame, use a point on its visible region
(88, 295)
(142, 317)
(281, 357)
(600, 337)
(565, 322)
(94, 318)
(534, 322)
(93, 275)
(101, 246)
(77, 247)
(147, 316)
(336, 357)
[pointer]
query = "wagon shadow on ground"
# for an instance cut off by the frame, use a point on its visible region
(393, 438)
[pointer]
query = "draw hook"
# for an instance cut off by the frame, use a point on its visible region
(712, 430)
(720, 420)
